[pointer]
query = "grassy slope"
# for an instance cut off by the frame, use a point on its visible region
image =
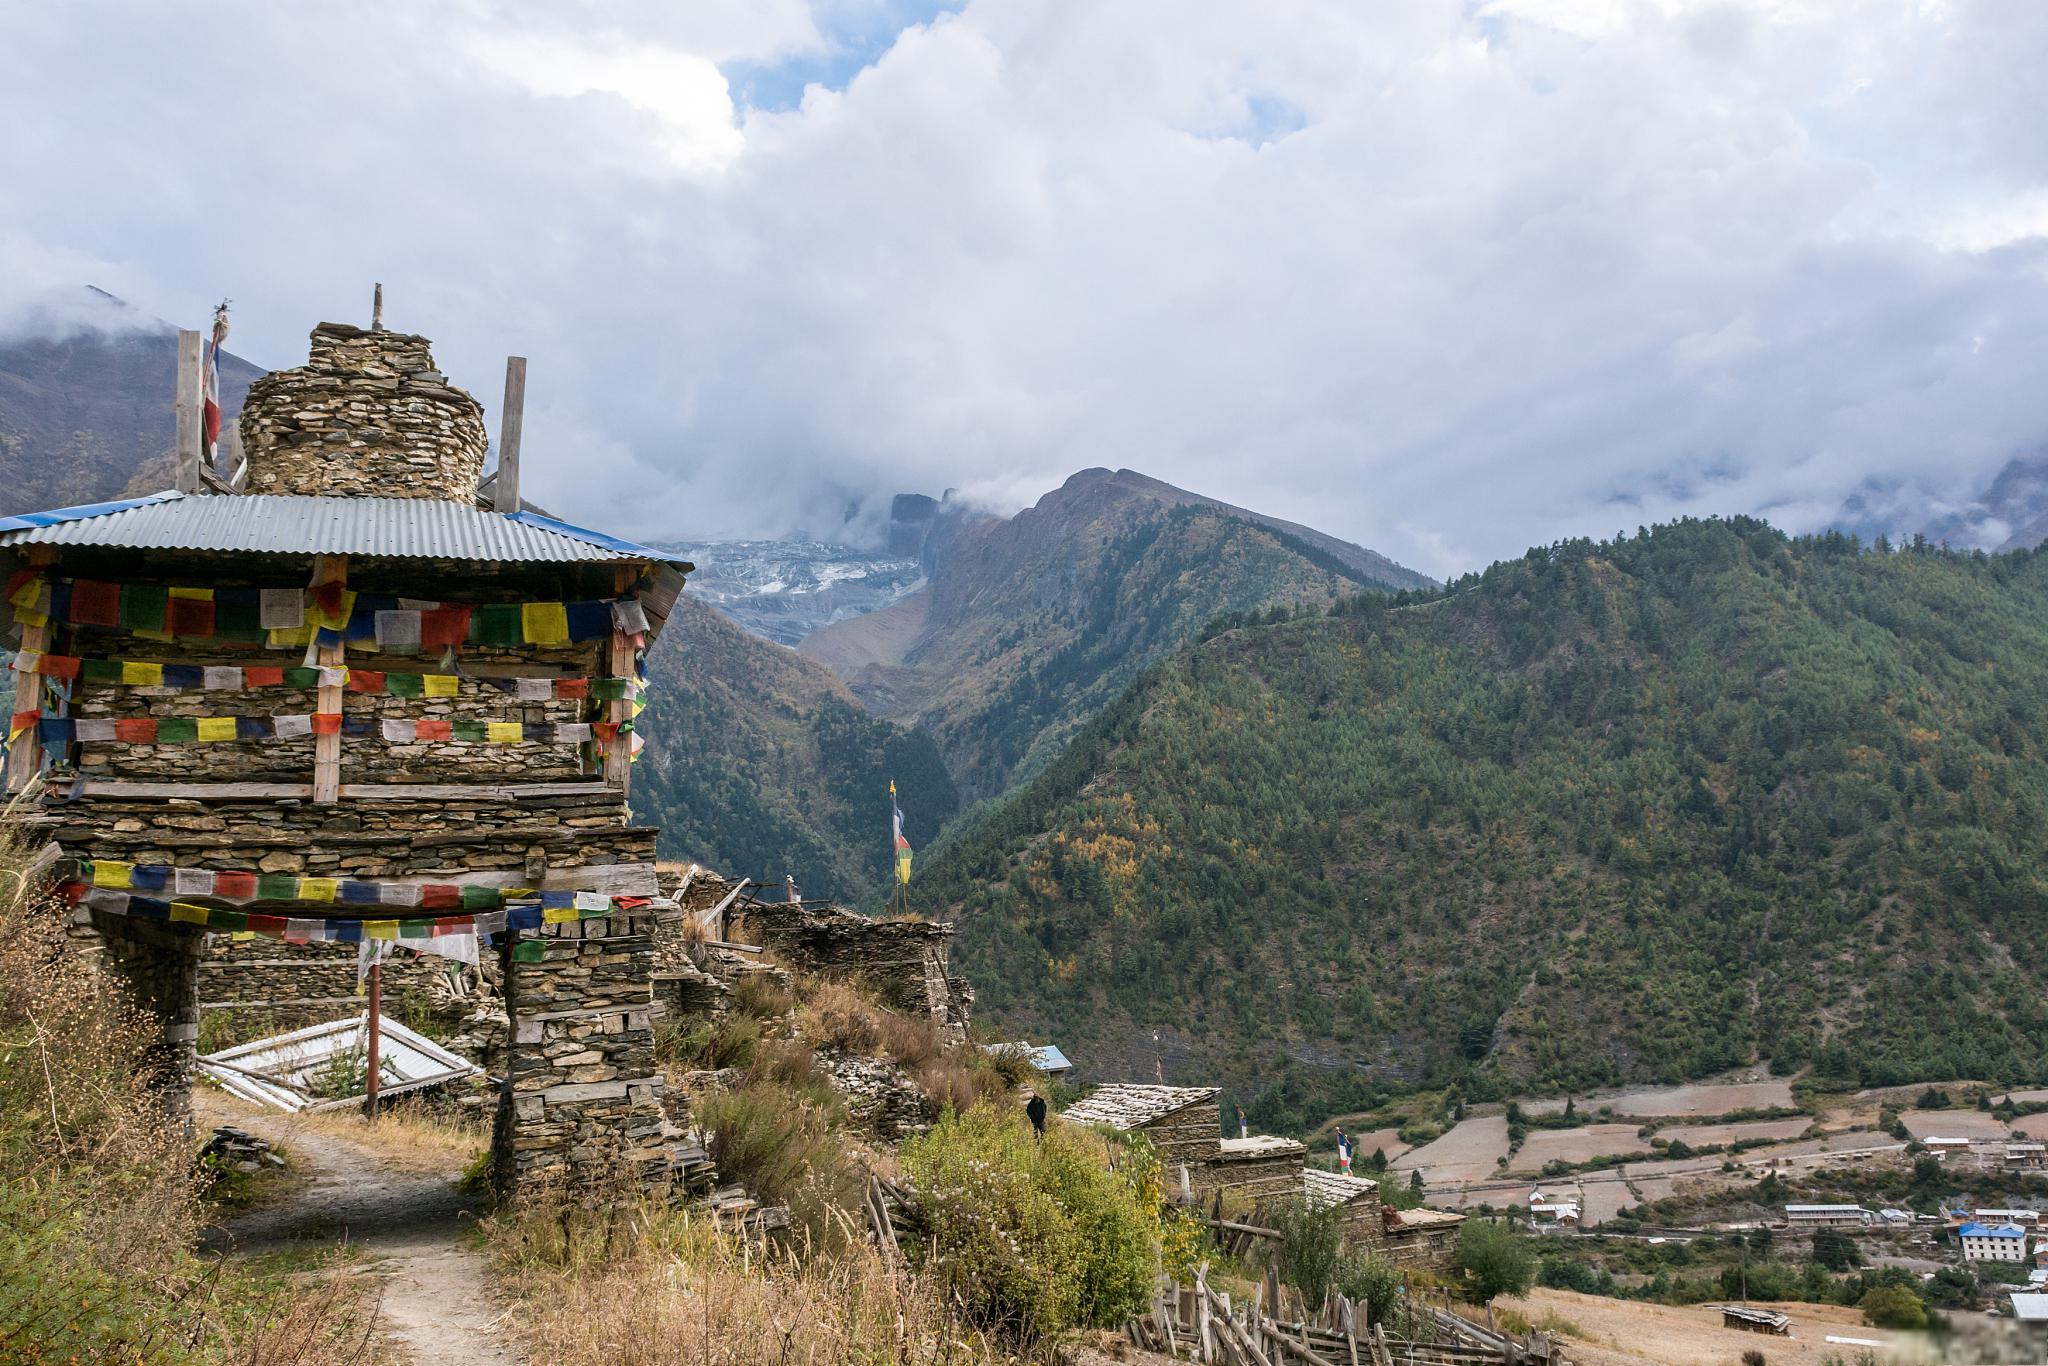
(760, 763)
(1631, 810)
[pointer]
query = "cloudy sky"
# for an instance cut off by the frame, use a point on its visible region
(1447, 278)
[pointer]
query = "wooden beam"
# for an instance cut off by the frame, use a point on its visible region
(25, 753)
(511, 422)
(327, 748)
(619, 764)
(188, 414)
(444, 792)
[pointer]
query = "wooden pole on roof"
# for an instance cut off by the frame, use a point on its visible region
(511, 422)
(25, 753)
(187, 409)
(327, 748)
(377, 308)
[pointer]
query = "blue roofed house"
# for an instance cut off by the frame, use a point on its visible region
(1993, 1242)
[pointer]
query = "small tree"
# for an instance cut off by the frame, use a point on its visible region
(1378, 1161)
(1415, 1179)
(1311, 1244)
(1835, 1250)
(1494, 1261)
(1893, 1306)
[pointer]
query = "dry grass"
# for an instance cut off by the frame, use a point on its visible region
(635, 1285)
(410, 1135)
(760, 995)
(101, 1204)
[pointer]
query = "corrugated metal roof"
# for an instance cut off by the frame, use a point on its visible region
(293, 524)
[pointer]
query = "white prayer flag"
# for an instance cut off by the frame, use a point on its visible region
(291, 727)
(192, 881)
(95, 729)
(399, 729)
(281, 609)
(221, 678)
(534, 689)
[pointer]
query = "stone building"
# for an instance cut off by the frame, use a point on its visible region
(1186, 1130)
(1421, 1238)
(354, 702)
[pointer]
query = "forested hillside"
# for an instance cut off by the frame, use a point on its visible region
(1032, 624)
(759, 763)
(1616, 811)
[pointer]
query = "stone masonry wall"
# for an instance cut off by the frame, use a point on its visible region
(583, 1099)
(1257, 1176)
(902, 962)
(1192, 1135)
(368, 415)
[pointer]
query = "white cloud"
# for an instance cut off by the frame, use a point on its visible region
(1444, 279)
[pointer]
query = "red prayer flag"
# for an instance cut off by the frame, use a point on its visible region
(455, 924)
(191, 616)
(607, 731)
(434, 730)
(94, 603)
(440, 896)
(572, 687)
(444, 626)
(136, 730)
(266, 924)
(73, 892)
(234, 886)
(365, 680)
(327, 723)
(59, 666)
(263, 676)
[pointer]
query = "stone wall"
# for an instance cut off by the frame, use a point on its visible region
(1263, 1170)
(289, 985)
(583, 1095)
(368, 415)
(902, 963)
(1190, 1135)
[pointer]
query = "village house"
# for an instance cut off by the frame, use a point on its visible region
(1184, 1126)
(2026, 1217)
(1828, 1216)
(1992, 1242)
(337, 688)
(2026, 1154)
(1939, 1146)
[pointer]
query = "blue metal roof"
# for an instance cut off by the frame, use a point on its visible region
(300, 524)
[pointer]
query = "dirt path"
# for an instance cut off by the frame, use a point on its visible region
(411, 1223)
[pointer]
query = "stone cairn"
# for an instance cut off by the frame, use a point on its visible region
(367, 416)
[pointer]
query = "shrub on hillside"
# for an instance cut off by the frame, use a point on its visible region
(1034, 1236)
(1893, 1306)
(1311, 1246)
(1494, 1260)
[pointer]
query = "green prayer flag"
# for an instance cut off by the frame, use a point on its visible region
(529, 951)
(302, 678)
(100, 670)
(481, 898)
(277, 887)
(610, 689)
(220, 918)
(403, 685)
(471, 731)
(176, 730)
(496, 623)
(415, 929)
(142, 606)
(238, 621)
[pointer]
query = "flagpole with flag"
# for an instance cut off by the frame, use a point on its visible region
(209, 388)
(902, 894)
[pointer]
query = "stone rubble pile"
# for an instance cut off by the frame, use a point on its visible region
(239, 1149)
(368, 415)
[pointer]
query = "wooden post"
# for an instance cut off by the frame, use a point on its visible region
(187, 407)
(511, 423)
(619, 762)
(376, 1027)
(327, 748)
(25, 754)
(377, 308)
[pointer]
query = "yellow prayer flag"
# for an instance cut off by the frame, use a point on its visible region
(28, 592)
(140, 674)
(187, 913)
(544, 623)
(330, 608)
(559, 915)
(319, 888)
(380, 929)
(193, 594)
(439, 685)
(216, 728)
(289, 637)
(506, 732)
(108, 872)
(28, 616)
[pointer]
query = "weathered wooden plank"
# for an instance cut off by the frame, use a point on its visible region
(25, 753)
(619, 760)
(511, 422)
(186, 407)
(327, 748)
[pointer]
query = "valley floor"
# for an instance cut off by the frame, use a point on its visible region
(1605, 1332)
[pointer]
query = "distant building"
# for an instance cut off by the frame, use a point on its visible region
(1946, 1145)
(2026, 1154)
(1828, 1216)
(1047, 1058)
(1185, 1129)
(1895, 1216)
(1753, 1320)
(1993, 1242)
(2008, 1216)
(1555, 1212)
(2029, 1308)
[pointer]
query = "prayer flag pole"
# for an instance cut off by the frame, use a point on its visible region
(376, 1036)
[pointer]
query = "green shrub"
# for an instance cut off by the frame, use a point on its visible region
(1035, 1236)
(1893, 1306)
(1494, 1260)
(1311, 1244)
(768, 1138)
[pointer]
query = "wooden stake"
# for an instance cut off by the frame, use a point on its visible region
(511, 423)
(619, 761)
(376, 1024)
(25, 753)
(188, 414)
(377, 308)
(327, 748)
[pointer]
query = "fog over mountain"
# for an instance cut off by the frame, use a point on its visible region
(1440, 278)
